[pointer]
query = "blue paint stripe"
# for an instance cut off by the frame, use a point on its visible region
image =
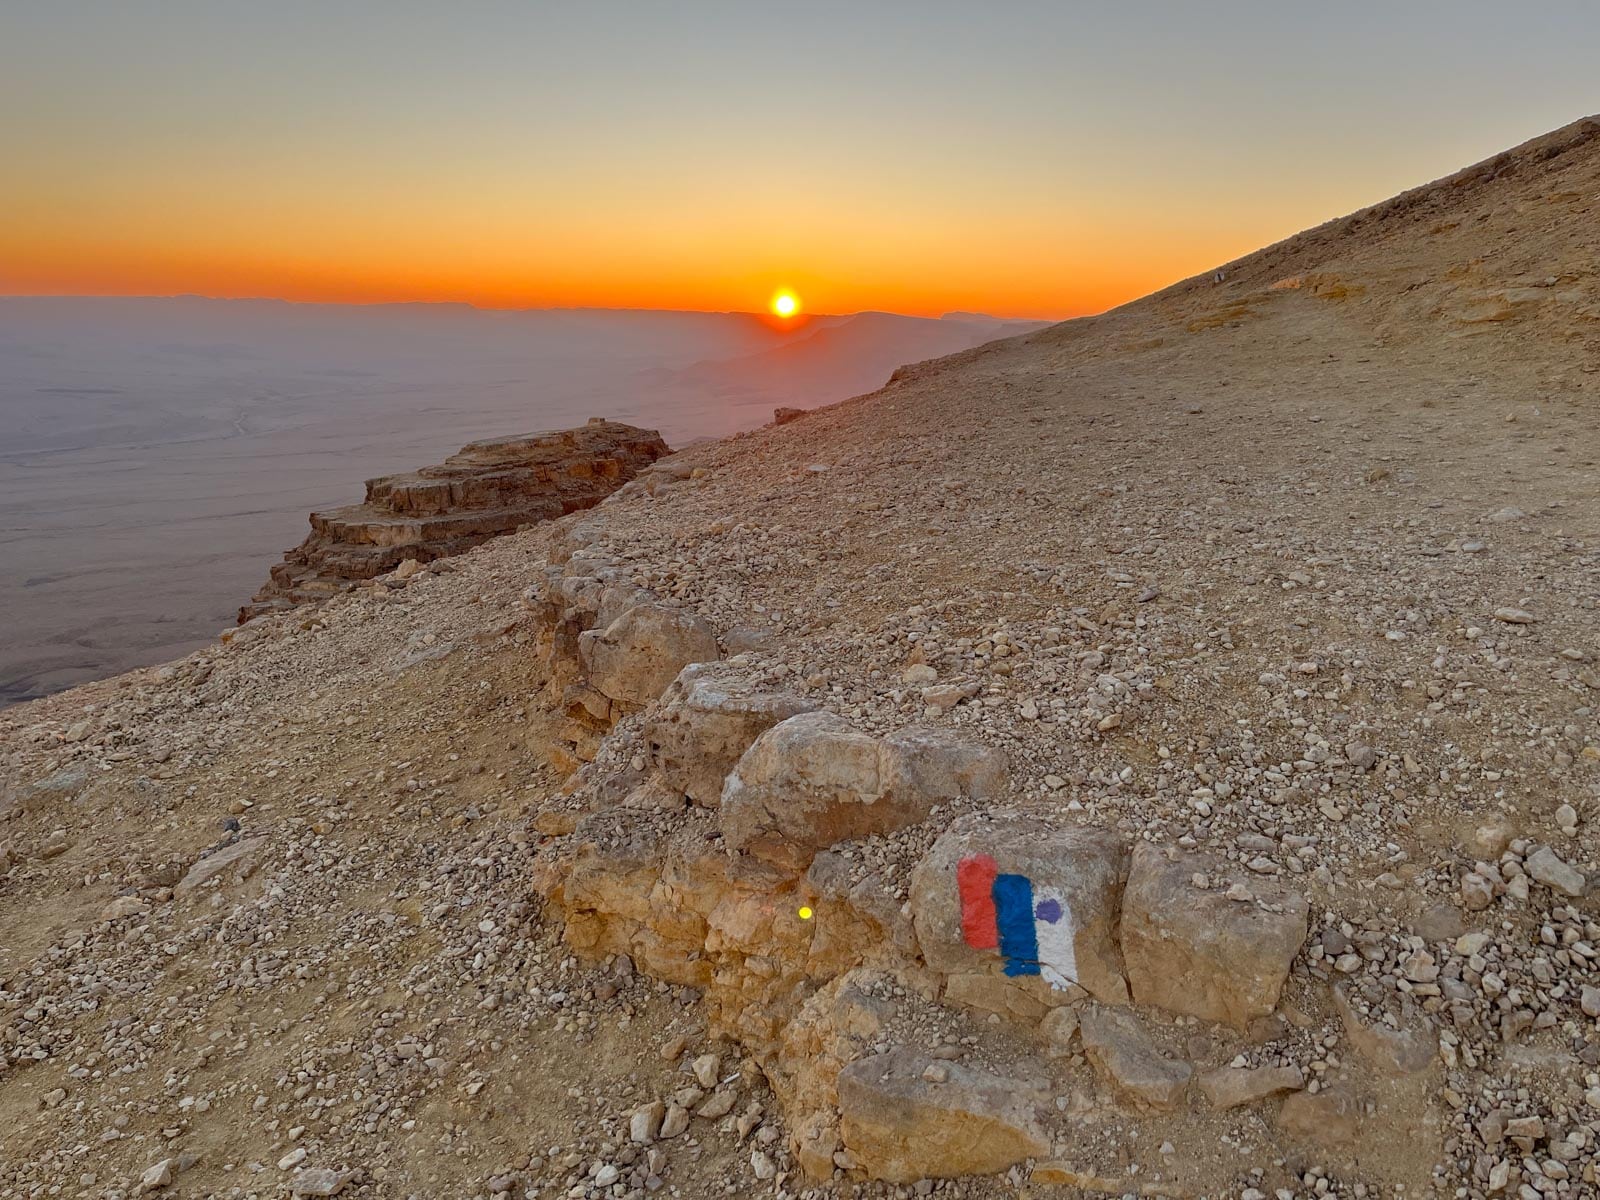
(1013, 906)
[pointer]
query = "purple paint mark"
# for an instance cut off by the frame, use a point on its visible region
(1049, 910)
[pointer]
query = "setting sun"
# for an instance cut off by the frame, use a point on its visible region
(785, 303)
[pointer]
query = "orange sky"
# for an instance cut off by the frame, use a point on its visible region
(1033, 161)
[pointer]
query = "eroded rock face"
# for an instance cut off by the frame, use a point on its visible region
(487, 489)
(814, 780)
(636, 657)
(1027, 904)
(906, 1116)
(707, 720)
(1214, 951)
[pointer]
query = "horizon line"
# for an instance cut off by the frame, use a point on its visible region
(952, 314)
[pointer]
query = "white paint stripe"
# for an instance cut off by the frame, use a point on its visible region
(1058, 956)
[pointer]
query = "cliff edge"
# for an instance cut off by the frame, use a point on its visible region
(487, 489)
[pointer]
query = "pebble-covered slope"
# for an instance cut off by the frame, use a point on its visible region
(1297, 566)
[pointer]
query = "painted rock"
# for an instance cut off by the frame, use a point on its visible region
(1026, 900)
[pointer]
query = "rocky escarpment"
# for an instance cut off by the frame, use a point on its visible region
(487, 489)
(713, 838)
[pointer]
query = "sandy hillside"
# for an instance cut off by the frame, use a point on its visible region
(1281, 586)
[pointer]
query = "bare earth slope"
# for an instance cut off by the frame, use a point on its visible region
(1272, 599)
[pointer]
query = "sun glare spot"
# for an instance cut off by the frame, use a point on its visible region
(785, 304)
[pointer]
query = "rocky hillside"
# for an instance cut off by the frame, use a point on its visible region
(488, 489)
(1156, 756)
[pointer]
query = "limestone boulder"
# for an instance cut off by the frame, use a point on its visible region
(1122, 1052)
(638, 655)
(1198, 942)
(707, 719)
(906, 1116)
(1234, 1087)
(1054, 926)
(814, 780)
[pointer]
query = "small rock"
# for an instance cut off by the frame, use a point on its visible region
(1059, 1029)
(1122, 1052)
(158, 1175)
(1547, 867)
(1231, 1087)
(675, 1121)
(707, 1069)
(319, 1181)
(645, 1124)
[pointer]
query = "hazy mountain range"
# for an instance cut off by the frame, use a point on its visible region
(156, 455)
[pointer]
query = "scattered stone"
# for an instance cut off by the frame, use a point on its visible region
(157, 1175)
(319, 1181)
(645, 1124)
(1548, 868)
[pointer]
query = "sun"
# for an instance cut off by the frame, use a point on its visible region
(785, 303)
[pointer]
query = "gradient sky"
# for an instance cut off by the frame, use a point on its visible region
(1043, 159)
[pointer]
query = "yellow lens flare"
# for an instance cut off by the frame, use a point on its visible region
(785, 303)
(805, 912)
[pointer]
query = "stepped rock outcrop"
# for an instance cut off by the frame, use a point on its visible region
(486, 489)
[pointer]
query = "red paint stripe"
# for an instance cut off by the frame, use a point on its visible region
(975, 879)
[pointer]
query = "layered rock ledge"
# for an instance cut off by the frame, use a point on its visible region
(487, 489)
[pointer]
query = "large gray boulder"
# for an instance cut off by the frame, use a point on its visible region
(815, 780)
(1201, 939)
(1073, 875)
